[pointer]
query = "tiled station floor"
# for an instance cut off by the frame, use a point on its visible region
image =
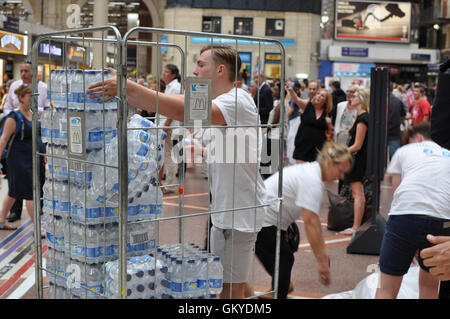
(17, 276)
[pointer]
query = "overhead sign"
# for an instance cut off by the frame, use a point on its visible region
(355, 52)
(420, 57)
(203, 40)
(78, 54)
(373, 21)
(273, 58)
(13, 43)
(52, 49)
(11, 24)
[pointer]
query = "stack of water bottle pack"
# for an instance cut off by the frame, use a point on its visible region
(96, 186)
(81, 198)
(179, 271)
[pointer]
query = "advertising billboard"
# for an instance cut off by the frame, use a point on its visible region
(13, 43)
(384, 21)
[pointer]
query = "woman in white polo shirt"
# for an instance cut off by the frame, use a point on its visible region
(303, 191)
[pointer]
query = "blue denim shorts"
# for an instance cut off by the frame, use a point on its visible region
(403, 237)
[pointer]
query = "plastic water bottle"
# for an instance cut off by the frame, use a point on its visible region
(77, 241)
(58, 169)
(144, 206)
(48, 197)
(60, 268)
(137, 121)
(111, 241)
(50, 264)
(202, 277)
(177, 279)
(110, 118)
(94, 129)
(77, 91)
(215, 270)
(62, 205)
(162, 284)
(136, 147)
(160, 276)
(61, 126)
(46, 124)
(94, 244)
(190, 279)
(58, 233)
(94, 281)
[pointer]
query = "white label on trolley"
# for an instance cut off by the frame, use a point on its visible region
(199, 101)
(76, 135)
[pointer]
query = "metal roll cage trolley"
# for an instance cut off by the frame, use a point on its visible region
(120, 64)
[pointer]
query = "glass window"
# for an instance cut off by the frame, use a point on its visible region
(243, 26)
(275, 27)
(211, 24)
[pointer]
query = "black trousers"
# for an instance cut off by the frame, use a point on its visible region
(444, 290)
(265, 251)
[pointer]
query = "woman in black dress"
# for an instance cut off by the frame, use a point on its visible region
(20, 160)
(358, 147)
(314, 124)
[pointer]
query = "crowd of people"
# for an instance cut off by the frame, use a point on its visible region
(325, 139)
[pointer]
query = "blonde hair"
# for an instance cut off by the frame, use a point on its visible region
(364, 96)
(23, 90)
(337, 153)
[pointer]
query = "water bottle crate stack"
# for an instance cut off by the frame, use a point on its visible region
(179, 271)
(81, 196)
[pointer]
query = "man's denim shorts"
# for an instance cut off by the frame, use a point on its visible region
(403, 237)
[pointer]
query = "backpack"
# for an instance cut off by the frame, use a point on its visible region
(19, 128)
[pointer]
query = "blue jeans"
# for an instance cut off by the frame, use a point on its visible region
(403, 237)
(394, 145)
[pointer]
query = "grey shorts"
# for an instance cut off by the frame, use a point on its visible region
(236, 251)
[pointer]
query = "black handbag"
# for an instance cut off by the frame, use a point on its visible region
(293, 236)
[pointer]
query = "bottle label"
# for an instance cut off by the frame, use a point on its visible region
(143, 150)
(50, 238)
(144, 209)
(215, 283)
(59, 241)
(190, 286)
(201, 284)
(93, 289)
(175, 286)
(133, 210)
(143, 136)
(112, 212)
(95, 136)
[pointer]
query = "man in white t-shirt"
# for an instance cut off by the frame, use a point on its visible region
(171, 76)
(420, 206)
(234, 184)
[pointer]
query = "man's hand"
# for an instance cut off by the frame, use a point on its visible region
(106, 89)
(438, 257)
